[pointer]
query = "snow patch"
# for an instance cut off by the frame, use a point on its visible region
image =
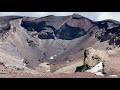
(52, 57)
(99, 73)
(48, 71)
(96, 69)
(23, 61)
(113, 75)
(67, 61)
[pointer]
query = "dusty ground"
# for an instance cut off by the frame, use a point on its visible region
(60, 75)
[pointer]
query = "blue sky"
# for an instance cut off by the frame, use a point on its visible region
(91, 15)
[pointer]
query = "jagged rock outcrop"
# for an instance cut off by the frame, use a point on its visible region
(92, 57)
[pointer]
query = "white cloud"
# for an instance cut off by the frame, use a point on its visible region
(91, 15)
(110, 15)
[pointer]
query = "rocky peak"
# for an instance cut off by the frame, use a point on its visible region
(76, 16)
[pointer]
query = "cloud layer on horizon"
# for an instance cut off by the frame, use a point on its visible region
(91, 15)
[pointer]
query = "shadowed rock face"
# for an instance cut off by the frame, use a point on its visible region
(60, 27)
(110, 30)
(37, 39)
(67, 32)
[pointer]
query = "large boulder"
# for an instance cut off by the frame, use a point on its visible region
(110, 60)
(93, 57)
